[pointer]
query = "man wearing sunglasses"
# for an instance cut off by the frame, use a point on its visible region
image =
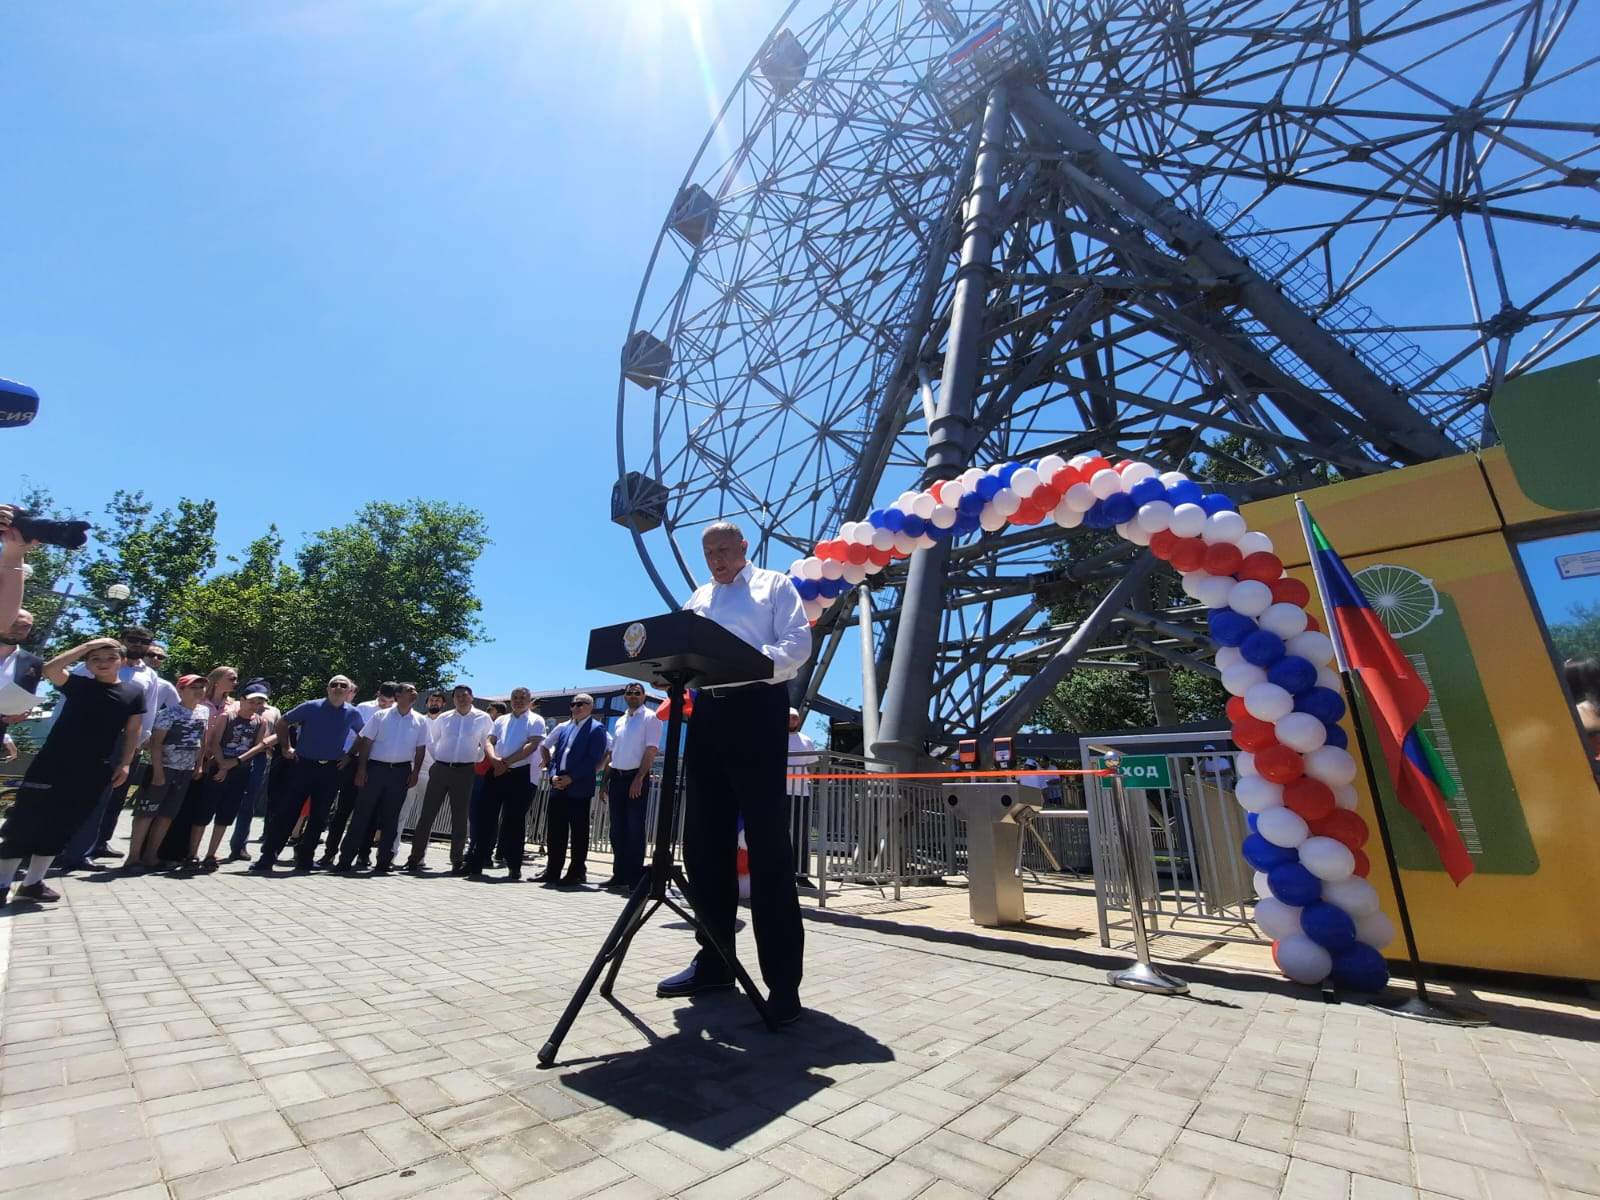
(321, 727)
(572, 757)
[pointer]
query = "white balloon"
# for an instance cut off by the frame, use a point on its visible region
(1077, 460)
(1173, 478)
(872, 567)
(1223, 527)
(1025, 482)
(1283, 827)
(1066, 516)
(1312, 645)
(1344, 796)
(1137, 473)
(1228, 656)
(1278, 920)
(1285, 620)
(969, 479)
(1236, 681)
(1131, 532)
(796, 567)
(854, 572)
(944, 517)
(904, 543)
(811, 568)
(1245, 763)
(991, 519)
(1079, 496)
(926, 542)
(1267, 701)
(1213, 591)
(1006, 502)
(1256, 794)
(882, 539)
(847, 532)
(1375, 929)
(1188, 579)
(1301, 731)
(832, 568)
(1329, 678)
(1250, 597)
(1255, 543)
(1354, 895)
(905, 500)
(1155, 516)
(1188, 520)
(1259, 882)
(924, 504)
(1302, 960)
(1331, 764)
(1105, 483)
(1049, 465)
(1327, 858)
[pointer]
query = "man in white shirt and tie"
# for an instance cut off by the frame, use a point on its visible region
(511, 749)
(734, 766)
(635, 741)
(456, 741)
(388, 758)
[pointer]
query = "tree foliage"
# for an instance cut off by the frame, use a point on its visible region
(157, 555)
(1579, 635)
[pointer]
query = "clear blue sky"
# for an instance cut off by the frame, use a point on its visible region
(304, 254)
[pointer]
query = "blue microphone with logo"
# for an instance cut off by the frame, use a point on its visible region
(18, 403)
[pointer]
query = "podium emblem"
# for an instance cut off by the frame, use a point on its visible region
(633, 639)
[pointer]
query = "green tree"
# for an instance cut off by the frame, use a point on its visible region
(247, 616)
(158, 555)
(1579, 635)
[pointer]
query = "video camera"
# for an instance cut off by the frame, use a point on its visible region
(69, 535)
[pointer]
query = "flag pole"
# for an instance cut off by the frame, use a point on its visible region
(1421, 1006)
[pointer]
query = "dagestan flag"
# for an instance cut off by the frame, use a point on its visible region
(1396, 697)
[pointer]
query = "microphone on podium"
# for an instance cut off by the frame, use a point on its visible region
(19, 403)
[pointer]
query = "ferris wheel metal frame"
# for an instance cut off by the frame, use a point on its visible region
(923, 235)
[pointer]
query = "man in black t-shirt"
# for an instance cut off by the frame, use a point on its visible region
(99, 722)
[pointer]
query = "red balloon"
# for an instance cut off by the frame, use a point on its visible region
(824, 550)
(1189, 554)
(1026, 515)
(1122, 466)
(1313, 624)
(1279, 764)
(1261, 566)
(1046, 496)
(896, 552)
(1163, 544)
(856, 553)
(1088, 469)
(1236, 709)
(1256, 736)
(881, 557)
(1290, 591)
(1308, 798)
(1223, 558)
(1065, 478)
(1363, 863)
(1342, 825)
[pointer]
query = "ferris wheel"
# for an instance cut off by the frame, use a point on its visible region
(1275, 233)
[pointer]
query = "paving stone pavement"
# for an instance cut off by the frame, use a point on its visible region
(375, 1039)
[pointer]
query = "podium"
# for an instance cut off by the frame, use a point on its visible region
(672, 651)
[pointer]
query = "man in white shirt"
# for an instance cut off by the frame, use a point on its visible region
(438, 704)
(511, 748)
(456, 741)
(388, 758)
(349, 789)
(802, 757)
(635, 741)
(734, 766)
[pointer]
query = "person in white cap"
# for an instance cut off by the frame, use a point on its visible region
(802, 757)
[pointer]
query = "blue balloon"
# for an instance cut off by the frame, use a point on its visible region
(894, 520)
(1229, 628)
(915, 526)
(1216, 502)
(1263, 855)
(1262, 648)
(1147, 491)
(1293, 884)
(807, 588)
(1187, 492)
(1007, 471)
(1095, 517)
(1337, 736)
(829, 588)
(988, 486)
(1120, 508)
(875, 518)
(1323, 703)
(1292, 673)
(1253, 820)
(1360, 968)
(940, 535)
(970, 504)
(967, 523)
(1328, 926)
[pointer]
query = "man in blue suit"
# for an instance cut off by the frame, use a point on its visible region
(572, 757)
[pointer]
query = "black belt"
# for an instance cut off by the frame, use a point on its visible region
(320, 762)
(381, 762)
(443, 762)
(722, 693)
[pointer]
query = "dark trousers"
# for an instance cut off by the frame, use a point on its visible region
(735, 758)
(627, 825)
(478, 809)
(261, 768)
(344, 804)
(316, 781)
(800, 833)
(567, 823)
(378, 806)
(502, 820)
(444, 779)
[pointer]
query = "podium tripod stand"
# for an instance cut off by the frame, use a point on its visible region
(650, 894)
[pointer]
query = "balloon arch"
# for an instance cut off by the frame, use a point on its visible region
(1295, 773)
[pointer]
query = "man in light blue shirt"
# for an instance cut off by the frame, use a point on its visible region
(323, 730)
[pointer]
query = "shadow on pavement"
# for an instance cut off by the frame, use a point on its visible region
(720, 1075)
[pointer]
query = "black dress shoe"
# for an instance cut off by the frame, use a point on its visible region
(382, 868)
(103, 851)
(38, 892)
(547, 876)
(574, 879)
(784, 1007)
(514, 875)
(262, 867)
(691, 981)
(237, 856)
(326, 862)
(614, 882)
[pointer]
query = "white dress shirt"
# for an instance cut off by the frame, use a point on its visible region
(395, 735)
(512, 732)
(763, 610)
(455, 738)
(635, 731)
(802, 754)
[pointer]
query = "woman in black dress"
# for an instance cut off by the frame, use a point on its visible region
(74, 767)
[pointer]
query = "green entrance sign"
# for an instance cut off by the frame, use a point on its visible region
(1142, 771)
